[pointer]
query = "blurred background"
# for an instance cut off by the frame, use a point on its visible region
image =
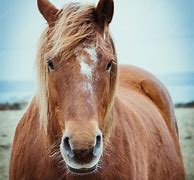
(155, 35)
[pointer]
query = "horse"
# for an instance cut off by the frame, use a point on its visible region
(91, 118)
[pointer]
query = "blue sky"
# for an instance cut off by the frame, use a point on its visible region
(155, 35)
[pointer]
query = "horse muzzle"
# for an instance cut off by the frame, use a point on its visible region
(81, 160)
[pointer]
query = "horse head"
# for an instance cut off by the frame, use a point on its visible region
(78, 66)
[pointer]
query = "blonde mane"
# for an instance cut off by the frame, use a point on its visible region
(76, 23)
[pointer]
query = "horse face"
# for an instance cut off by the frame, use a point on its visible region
(80, 90)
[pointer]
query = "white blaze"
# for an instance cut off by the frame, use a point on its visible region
(92, 53)
(85, 68)
(88, 69)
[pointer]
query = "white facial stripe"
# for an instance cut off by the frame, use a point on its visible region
(88, 87)
(85, 68)
(92, 53)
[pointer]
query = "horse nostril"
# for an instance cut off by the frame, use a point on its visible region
(97, 146)
(67, 147)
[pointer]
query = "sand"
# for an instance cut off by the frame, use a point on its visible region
(185, 118)
(8, 122)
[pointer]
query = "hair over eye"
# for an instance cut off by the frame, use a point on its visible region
(50, 64)
(109, 65)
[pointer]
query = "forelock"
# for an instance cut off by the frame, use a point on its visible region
(76, 24)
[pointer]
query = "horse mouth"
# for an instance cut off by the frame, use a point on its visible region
(82, 170)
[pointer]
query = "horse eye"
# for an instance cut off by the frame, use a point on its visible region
(50, 64)
(109, 66)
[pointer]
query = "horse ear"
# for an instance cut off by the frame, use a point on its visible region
(104, 11)
(48, 10)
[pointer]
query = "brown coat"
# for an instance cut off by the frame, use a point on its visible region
(144, 144)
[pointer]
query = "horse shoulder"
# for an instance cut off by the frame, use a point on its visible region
(148, 85)
(149, 108)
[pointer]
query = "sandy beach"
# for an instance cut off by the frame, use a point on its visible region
(185, 118)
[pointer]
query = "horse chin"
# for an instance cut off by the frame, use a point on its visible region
(82, 171)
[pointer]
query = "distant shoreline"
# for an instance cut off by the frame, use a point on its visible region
(13, 106)
(185, 105)
(23, 104)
